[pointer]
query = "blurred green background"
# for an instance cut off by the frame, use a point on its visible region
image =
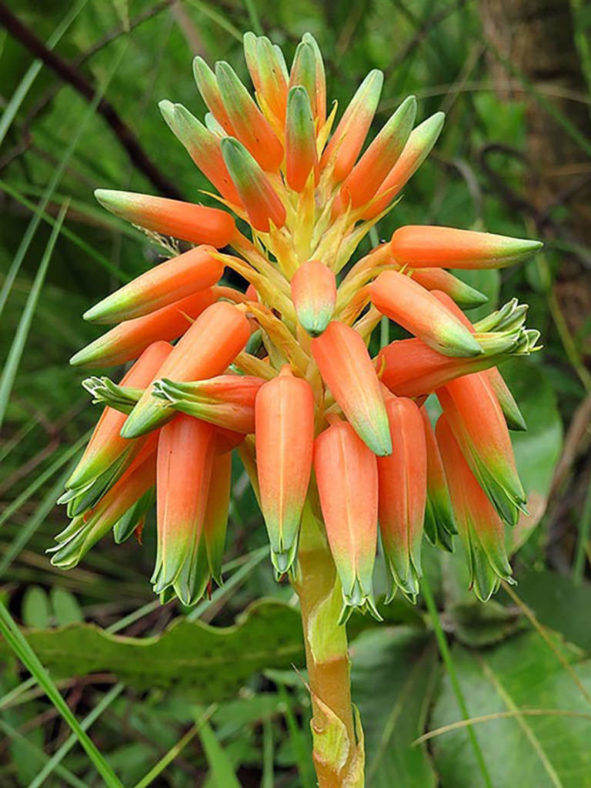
(194, 706)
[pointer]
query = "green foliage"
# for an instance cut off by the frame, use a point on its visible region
(210, 662)
(541, 740)
(393, 678)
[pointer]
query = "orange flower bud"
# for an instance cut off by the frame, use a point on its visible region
(249, 124)
(266, 67)
(184, 220)
(314, 295)
(202, 145)
(402, 495)
(300, 139)
(479, 525)
(419, 145)
(345, 144)
(371, 169)
(446, 247)
(478, 424)
(107, 451)
(347, 369)
(347, 478)
(88, 528)
(258, 196)
(160, 286)
(216, 514)
(185, 451)
(401, 299)
(284, 433)
(130, 338)
(211, 343)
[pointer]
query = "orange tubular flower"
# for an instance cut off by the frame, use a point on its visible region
(347, 478)
(88, 527)
(369, 172)
(266, 370)
(300, 140)
(107, 453)
(478, 424)
(346, 368)
(284, 432)
(268, 72)
(185, 450)
(260, 200)
(409, 368)
(248, 122)
(446, 247)
(416, 150)
(202, 145)
(211, 343)
(480, 527)
(417, 310)
(402, 495)
(182, 220)
(162, 285)
(127, 340)
(216, 514)
(314, 295)
(226, 400)
(345, 144)
(439, 516)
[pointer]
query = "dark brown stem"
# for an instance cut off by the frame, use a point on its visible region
(85, 88)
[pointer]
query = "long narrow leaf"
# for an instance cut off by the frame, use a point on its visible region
(55, 760)
(66, 232)
(53, 183)
(38, 754)
(22, 332)
(26, 82)
(18, 643)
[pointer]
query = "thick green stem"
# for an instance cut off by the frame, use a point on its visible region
(336, 730)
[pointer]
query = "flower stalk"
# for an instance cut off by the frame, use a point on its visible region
(336, 729)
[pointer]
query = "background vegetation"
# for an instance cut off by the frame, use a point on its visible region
(174, 702)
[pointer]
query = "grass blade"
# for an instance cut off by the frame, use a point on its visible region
(18, 643)
(20, 338)
(52, 185)
(66, 232)
(167, 759)
(55, 760)
(40, 480)
(221, 770)
(447, 659)
(38, 517)
(26, 82)
(67, 777)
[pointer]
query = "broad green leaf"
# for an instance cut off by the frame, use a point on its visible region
(537, 450)
(543, 750)
(393, 677)
(212, 661)
(36, 610)
(482, 624)
(65, 607)
(560, 604)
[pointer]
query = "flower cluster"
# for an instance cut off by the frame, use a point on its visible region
(282, 372)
